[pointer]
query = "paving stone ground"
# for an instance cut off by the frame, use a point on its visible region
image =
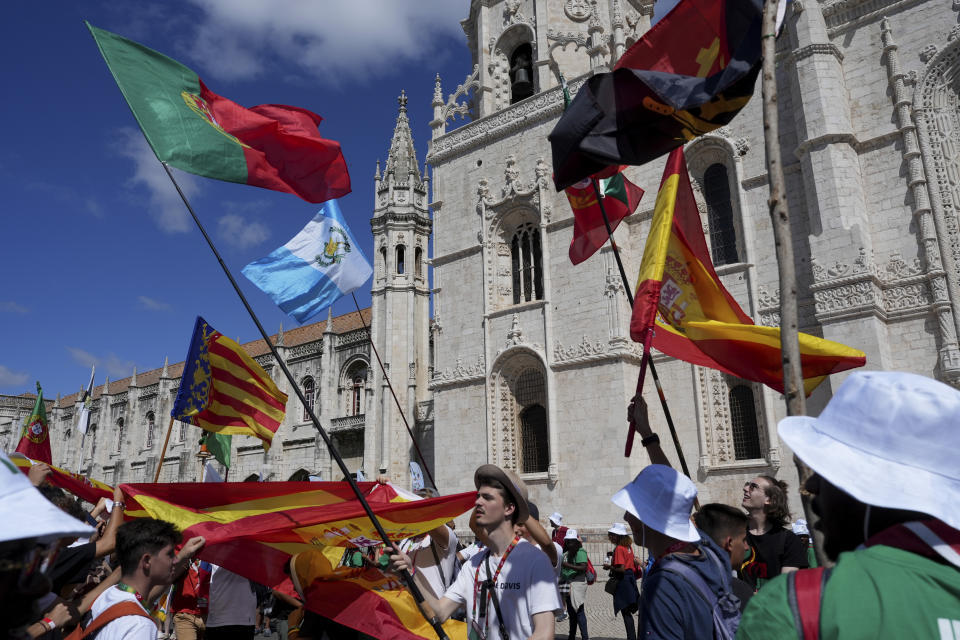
(601, 623)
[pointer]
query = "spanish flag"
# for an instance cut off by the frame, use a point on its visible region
(224, 390)
(78, 485)
(696, 318)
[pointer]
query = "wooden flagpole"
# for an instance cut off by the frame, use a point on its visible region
(404, 574)
(783, 241)
(163, 451)
(386, 377)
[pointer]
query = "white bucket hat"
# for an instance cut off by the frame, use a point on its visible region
(800, 527)
(25, 513)
(661, 498)
(556, 518)
(889, 440)
(619, 529)
(571, 534)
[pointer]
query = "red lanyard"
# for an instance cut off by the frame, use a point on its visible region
(476, 576)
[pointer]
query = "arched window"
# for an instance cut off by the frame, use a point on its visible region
(743, 417)
(400, 249)
(309, 391)
(530, 395)
(723, 235)
(526, 263)
(383, 260)
(93, 439)
(300, 475)
(356, 383)
(418, 262)
(150, 426)
(119, 433)
(67, 433)
(183, 431)
(521, 73)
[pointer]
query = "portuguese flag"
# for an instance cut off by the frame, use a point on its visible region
(620, 199)
(189, 127)
(35, 436)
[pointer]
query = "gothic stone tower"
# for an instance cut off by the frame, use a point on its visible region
(400, 299)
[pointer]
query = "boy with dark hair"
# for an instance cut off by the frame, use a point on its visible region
(145, 549)
(508, 589)
(727, 527)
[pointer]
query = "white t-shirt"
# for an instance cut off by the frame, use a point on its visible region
(472, 550)
(125, 627)
(526, 586)
(426, 564)
(232, 600)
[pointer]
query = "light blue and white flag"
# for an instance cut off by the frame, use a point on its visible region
(317, 266)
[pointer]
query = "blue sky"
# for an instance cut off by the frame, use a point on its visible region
(100, 262)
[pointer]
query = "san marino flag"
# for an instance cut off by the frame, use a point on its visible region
(317, 266)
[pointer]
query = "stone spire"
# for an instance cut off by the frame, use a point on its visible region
(133, 378)
(280, 336)
(164, 373)
(402, 157)
(329, 327)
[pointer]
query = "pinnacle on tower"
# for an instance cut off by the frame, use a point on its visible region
(402, 157)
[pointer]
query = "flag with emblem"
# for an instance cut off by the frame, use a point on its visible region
(620, 199)
(689, 74)
(35, 437)
(315, 268)
(190, 127)
(694, 316)
(224, 390)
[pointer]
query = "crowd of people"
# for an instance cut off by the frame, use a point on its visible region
(885, 487)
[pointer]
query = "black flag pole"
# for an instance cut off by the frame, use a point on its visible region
(386, 376)
(404, 574)
(653, 369)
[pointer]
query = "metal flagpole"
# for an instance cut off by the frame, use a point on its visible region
(653, 368)
(404, 574)
(386, 377)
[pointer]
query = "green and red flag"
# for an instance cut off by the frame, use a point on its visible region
(695, 317)
(35, 437)
(620, 199)
(189, 127)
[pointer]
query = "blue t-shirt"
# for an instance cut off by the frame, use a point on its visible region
(671, 608)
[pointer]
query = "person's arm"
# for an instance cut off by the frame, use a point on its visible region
(190, 548)
(100, 508)
(108, 541)
(60, 615)
(544, 624)
(794, 555)
(444, 607)
(87, 601)
(288, 600)
(637, 414)
(441, 535)
(542, 538)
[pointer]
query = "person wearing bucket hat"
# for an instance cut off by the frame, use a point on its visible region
(886, 488)
(623, 574)
(508, 589)
(688, 567)
(559, 531)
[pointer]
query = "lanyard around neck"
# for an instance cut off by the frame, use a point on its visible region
(125, 587)
(493, 579)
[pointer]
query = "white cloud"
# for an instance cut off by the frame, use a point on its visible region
(13, 307)
(237, 231)
(165, 204)
(114, 366)
(153, 305)
(334, 39)
(10, 378)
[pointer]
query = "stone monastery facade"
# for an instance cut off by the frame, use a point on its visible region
(526, 361)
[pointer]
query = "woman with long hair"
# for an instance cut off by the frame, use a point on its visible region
(574, 572)
(624, 571)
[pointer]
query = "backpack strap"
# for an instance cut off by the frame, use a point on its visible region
(805, 595)
(113, 612)
(691, 576)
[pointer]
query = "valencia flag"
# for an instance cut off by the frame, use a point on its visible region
(689, 74)
(696, 318)
(224, 390)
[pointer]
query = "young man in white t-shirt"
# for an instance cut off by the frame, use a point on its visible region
(145, 548)
(523, 585)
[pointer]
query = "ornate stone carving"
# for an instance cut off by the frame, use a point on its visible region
(511, 178)
(577, 10)
(353, 337)
(308, 350)
(515, 335)
(742, 146)
(582, 350)
(454, 107)
(928, 52)
(424, 411)
(954, 33)
(563, 38)
(896, 268)
(461, 372)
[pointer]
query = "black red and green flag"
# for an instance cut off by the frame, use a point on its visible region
(188, 126)
(620, 199)
(689, 74)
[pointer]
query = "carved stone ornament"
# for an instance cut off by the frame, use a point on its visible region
(928, 52)
(460, 372)
(577, 10)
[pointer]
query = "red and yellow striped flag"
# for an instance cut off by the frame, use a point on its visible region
(696, 318)
(78, 485)
(224, 390)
